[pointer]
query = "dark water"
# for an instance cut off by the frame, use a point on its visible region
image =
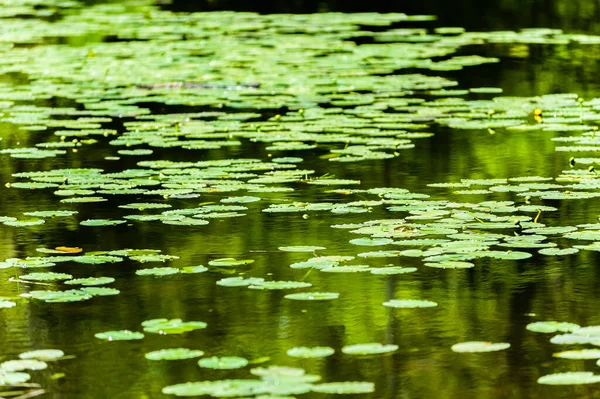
(493, 301)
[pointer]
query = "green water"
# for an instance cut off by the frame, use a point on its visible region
(54, 59)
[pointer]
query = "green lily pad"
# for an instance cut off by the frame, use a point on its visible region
(304, 352)
(224, 262)
(173, 354)
(173, 326)
(23, 364)
(101, 222)
(240, 281)
(193, 269)
(313, 296)
(121, 335)
(301, 248)
(100, 291)
(279, 285)
(91, 281)
(43, 354)
(13, 378)
(579, 354)
(6, 304)
(157, 271)
(392, 270)
(346, 387)
(48, 276)
(409, 303)
(551, 327)
(369, 349)
(569, 378)
(479, 346)
(59, 296)
(223, 363)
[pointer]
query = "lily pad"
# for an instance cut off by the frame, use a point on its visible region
(369, 349)
(157, 271)
(409, 303)
(223, 363)
(309, 353)
(570, 378)
(173, 326)
(313, 296)
(346, 387)
(173, 354)
(121, 335)
(43, 354)
(479, 346)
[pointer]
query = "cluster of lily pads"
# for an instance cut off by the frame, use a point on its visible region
(15, 374)
(364, 88)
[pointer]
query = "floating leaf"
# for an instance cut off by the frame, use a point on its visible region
(173, 354)
(43, 354)
(91, 281)
(301, 248)
(224, 262)
(313, 296)
(23, 364)
(309, 353)
(569, 378)
(48, 276)
(223, 363)
(157, 271)
(551, 327)
(122, 335)
(173, 326)
(579, 354)
(346, 387)
(409, 303)
(368, 349)
(479, 346)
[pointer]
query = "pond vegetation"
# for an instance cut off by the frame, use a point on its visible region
(352, 203)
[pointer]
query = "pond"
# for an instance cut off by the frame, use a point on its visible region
(377, 204)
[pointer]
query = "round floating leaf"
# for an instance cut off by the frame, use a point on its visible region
(173, 326)
(91, 281)
(48, 276)
(301, 248)
(346, 387)
(368, 349)
(479, 346)
(50, 214)
(392, 270)
(279, 285)
(313, 296)
(24, 222)
(193, 269)
(409, 303)
(308, 353)
(240, 281)
(100, 291)
(230, 262)
(371, 242)
(122, 335)
(8, 378)
(101, 222)
(558, 251)
(223, 363)
(6, 304)
(43, 354)
(569, 378)
(157, 271)
(59, 296)
(23, 364)
(551, 327)
(173, 354)
(579, 354)
(450, 265)
(240, 200)
(142, 206)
